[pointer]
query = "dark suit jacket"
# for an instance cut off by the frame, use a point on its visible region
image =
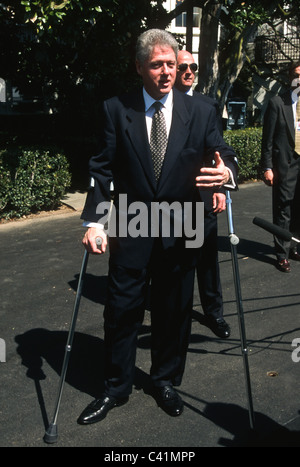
(278, 140)
(125, 158)
(215, 104)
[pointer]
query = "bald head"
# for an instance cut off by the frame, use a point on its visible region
(186, 69)
(185, 55)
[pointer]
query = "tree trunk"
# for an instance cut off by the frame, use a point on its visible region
(231, 61)
(208, 78)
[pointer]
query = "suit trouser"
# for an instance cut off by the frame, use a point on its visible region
(286, 207)
(208, 272)
(171, 306)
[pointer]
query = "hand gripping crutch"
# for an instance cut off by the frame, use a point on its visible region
(234, 240)
(51, 434)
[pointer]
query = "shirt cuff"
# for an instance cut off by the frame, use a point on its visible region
(231, 183)
(93, 224)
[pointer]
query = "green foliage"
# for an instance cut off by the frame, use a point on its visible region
(61, 48)
(70, 47)
(242, 14)
(247, 145)
(31, 180)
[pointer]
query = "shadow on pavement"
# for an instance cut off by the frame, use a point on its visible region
(255, 250)
(38, 345)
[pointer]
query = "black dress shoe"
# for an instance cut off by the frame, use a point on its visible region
(169, 400)
(218, 326)
(99, 408)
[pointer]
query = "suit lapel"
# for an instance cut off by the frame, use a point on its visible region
(137, 132)
(179, 133)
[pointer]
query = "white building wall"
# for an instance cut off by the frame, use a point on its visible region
(170, 5)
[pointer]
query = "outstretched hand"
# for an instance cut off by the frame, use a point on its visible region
(213, 177)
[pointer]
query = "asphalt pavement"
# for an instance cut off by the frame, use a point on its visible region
(227, 403)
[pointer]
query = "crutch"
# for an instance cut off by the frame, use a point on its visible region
(51, 434)
(234, 240)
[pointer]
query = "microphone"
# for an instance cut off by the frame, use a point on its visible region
(275, 230)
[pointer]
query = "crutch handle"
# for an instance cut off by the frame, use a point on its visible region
(234, 239)
(98, 242)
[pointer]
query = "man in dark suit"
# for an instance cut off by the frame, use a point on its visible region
(208, 271)
(281, 164)
(129, 156)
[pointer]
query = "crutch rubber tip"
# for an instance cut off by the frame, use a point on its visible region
(51, 434)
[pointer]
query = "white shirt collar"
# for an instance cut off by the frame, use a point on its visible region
(166, 101)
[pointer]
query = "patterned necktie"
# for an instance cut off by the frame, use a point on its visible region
(158, 139)
(297, 129)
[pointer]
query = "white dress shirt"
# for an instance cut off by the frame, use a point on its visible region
(167, 109)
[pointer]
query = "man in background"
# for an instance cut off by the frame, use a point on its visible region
(280, 160)
(208, 273)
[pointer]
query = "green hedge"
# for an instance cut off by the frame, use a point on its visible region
(247, 145)
(31, 180)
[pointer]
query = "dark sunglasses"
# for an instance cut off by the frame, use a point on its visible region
(184, 66)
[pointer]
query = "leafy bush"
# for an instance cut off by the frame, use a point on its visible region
(247, 145)
(31, 180)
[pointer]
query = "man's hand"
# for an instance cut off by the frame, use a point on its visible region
(268, 177)
(213, 177)
(89, 240)
(219, 202)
